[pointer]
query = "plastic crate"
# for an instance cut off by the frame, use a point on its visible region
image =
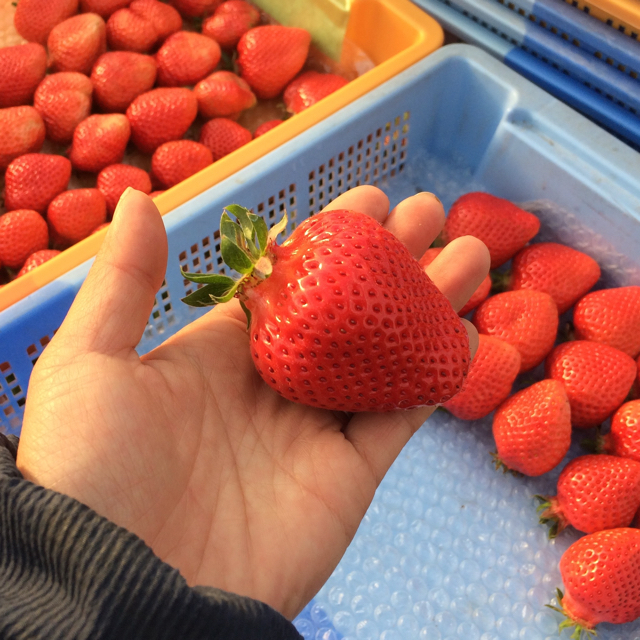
(450, 549)
(623, 15)
(392, 33)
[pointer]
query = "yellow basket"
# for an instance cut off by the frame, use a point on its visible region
(623, 15)
(392, 33)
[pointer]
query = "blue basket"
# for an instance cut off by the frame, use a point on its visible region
(449, 549)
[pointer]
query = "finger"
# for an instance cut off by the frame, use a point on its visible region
(113, 305)
(365, 199)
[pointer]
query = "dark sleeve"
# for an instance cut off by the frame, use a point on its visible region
(68, 573)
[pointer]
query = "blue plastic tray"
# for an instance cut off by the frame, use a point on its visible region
(449, 549)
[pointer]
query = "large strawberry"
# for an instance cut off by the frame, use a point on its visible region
(119, 77)
(342, 316)
(532, 429)
(22, 68)
(223, 94)
(489, 381)
(500, 224)
(624, 437)
(99, 141)
(175, 161)
(566, 274)
(594, 492)
(528, 320)
(128, 30)
(161, 115)
(21, 131)
(22, 232)
(222, 136)
(164, 18)
(114, 180)
(610, 316)
(32, 181)
(36, 259)
(597, 379)
(74, 214)
(270, 56)
(76, 43)
(104, 8)
(34, 19)
(64, 101)
(185, 58)
(230, 21)
(309, 87)
(196, 8)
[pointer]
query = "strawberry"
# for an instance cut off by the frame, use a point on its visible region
(114, 180)
(223, 94)
(597, 379)
(64, 101)
(195, 8)
(155, 194)
(185, 58)
(32, 181)
(270, 56)
(230, 21)
(561, 271)
(36, 259)
(74, 214)
(479, 295)
(21, 131)
(34, 19)
(164, 18)
(532, 429)
(342, 316)
(594, 492)
(500, 224)
(175, 161)
(309, 87)
(76, 43)
(100, 227)
(161, 115)
(623, 439)
(528, 320)
(266, 126)
(131, 31)
(22, 232)
(119, 77)
(610, 316)
(23, 67)
(601, 575)
(491, 375)
(99, 141)
(104, 8)
(223, 136)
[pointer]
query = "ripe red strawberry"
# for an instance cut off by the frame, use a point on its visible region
(223, 94)
(175, 161)
(230, 21)
(36, 259)
(21, 131)
(271, 56)
(99, 141)
(23, 67)
(34, 19)
(100, 227)
(76, 43)
(119, 77)
(500, 224)
(64, 101)
(532, 429)
(155, 194)
(601, 575)
(74, 214)
(222, 136)
(131, 31)
(623, 439)
(309, 87)
(610, 316)
(325, 330)
(161, 115)
(164, 18)
(597, 379)
(594, 492)
(195, 8)
(114, 180)
(104, 8)
(21, 233)
(491, 375)
(32, 181)
(561, 271)
(266, 126)
(185, 58)
(528, 320)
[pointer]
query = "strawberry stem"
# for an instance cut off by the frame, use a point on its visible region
(568, 623)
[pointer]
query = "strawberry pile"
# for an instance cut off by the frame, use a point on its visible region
(581, 349)
(100, 85)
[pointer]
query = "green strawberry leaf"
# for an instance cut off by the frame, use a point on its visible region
(279, 227)
(209, 278)
(262, 231)
(243, 217)
(247, 313)
(234, 256)
(229, 228)
(210, 294)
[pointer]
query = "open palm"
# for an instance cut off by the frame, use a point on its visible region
(187, 447)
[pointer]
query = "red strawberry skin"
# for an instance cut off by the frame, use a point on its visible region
(99, 141)
(34, 19)
(309, 87)
(624, 438)
(270, 56)
(223, 94)
(597, 379)
(345, 321)
(36, 259)
(230, 21)
(501, 225)
(561, 271)
(23, 67)
(104, 8)
(185, 58)
(74, 214)
(21, 131)
(131, 31)
(32, 181)
(266, 126)
(175, 161)
(610, 316)
(114, 180)
(491, 376)
(222, 136)
(22, 232)
(195, 8)
(76, 43)
(164, 18)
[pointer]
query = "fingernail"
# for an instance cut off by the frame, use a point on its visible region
(125, 194)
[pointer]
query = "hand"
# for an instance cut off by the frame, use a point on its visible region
(187, 447)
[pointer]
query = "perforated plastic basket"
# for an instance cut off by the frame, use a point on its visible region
(623, 15)
(450, 548)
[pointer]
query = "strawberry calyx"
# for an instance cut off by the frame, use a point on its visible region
(501, 466)
(500, 281)
(579, 625)
(601, 443)
(551, 514)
